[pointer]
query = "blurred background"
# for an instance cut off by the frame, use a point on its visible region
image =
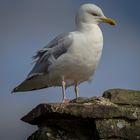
(26, 26)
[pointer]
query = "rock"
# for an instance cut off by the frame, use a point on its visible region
(123, 96)
(92, 108)
(110, 117)
(117, 128)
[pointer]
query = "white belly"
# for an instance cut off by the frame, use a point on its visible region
(78, 64)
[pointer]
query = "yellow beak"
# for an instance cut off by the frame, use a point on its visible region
(108, 20)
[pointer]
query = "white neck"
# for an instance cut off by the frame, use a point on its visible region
(90, 30)
(86, 27)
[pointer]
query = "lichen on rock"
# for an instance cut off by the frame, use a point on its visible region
(115, 116)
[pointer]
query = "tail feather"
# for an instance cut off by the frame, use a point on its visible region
(29, 85)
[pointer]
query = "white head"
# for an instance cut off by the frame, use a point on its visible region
(92, 14)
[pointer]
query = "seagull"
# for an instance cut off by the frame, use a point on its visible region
(70, 58)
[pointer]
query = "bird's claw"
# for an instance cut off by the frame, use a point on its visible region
(66, 101)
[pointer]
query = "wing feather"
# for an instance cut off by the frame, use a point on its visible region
(48, 55)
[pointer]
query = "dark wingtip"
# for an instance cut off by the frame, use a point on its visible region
(14, 90)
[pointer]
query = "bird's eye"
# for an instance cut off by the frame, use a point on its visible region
(94, 14)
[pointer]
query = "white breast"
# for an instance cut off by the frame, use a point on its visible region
(80, 61)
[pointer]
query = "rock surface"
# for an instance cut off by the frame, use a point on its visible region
(115, 116)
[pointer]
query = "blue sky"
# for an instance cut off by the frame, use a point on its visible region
(26, 26)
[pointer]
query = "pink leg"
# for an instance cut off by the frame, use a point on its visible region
(76, 90)
(65, 100)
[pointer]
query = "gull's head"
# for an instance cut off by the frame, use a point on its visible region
(92, 14)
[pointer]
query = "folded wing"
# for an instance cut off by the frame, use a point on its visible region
(43, 59)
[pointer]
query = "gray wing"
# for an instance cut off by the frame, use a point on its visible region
(48, 55)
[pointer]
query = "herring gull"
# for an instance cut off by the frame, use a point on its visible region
(70, 58)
